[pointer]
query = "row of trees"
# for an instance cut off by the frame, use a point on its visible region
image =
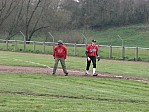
(39, 16)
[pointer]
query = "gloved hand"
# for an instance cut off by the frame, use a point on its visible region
(88, 58)
(98, 58)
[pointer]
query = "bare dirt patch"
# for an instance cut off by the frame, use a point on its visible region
(48, 71)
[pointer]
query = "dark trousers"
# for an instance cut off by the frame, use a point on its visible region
(93, 59)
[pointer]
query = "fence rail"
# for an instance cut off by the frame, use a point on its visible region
(121, 50)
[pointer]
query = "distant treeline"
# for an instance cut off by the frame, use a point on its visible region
(41, 16)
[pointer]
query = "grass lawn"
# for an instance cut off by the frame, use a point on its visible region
(121, 67)
(43, 93)
(130, 54)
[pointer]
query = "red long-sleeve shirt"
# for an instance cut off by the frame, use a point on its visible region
(92, 50)
(60, 51)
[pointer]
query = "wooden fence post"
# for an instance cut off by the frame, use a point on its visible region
(75, 49)
(53, 45)
(99, 51)
(33, 46)
(24, 45)
(137, 54)
(123, 52)
(15, 46)
(44, 47)
(6, 44)
(110, 52)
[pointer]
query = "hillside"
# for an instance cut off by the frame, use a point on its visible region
(132, 35)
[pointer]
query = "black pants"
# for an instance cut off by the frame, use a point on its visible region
(93, 59)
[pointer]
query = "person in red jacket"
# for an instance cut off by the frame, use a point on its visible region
(91, 53)
(60, 54)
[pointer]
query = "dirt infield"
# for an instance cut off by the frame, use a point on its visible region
(48, 71)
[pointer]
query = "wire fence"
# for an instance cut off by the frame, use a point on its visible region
(105, 51)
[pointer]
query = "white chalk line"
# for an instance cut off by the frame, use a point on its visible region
(45, 65)
(32, 62)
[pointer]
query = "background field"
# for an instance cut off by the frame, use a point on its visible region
(135, 69)
(42, 93)
(132, 35)
(45, 93)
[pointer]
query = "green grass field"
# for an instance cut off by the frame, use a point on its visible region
(122, 67)
(45, 93)
(130, 54)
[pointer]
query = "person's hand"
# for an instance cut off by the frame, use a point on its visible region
(88, 58)
(98, 58)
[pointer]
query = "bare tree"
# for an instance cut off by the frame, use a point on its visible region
(14, 23)
(6, 8)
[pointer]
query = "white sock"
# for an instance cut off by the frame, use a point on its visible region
(87, 71)
(94, 70)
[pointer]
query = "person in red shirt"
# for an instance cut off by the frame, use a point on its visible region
(91, 53)
(60, 53)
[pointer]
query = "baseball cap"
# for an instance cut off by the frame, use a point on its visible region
(60, 42)
(93, 40)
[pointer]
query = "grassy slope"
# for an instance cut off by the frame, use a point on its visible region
(136, 35)
(75, 94)
(133, 35)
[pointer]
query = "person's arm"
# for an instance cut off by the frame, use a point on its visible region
(66, 52)
(86, 52)
(98, 57)
(53, 53)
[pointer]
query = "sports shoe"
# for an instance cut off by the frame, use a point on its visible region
(95, 74)
(66, 74)
(86, 73)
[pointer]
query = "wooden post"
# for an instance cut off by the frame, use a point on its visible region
(15, 46)
(6, 44)
(123, 52)
(34, 46)
(53, 45)
(99, 51)
(44, 47)
(137, 53)
(110, 54)
(75, 49)
(24, 45)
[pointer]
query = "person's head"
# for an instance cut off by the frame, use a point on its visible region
(93, 42)
(60, 42)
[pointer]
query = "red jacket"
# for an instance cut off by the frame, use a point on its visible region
(60, 51)
(92, 50)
